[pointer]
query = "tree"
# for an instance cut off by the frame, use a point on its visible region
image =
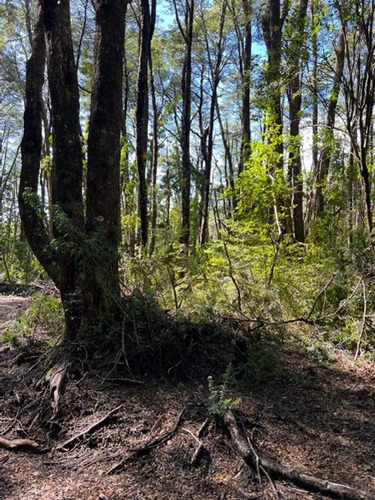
(147, 24)
(186, 30)
(359, 88)
(273, 19)
(214, 54)
(242, 27)
(324, 159)
(295, 103)
(82, 257)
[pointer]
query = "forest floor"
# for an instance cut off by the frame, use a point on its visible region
(317, 418)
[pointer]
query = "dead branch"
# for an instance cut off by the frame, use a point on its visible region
(55, 384)
(257, 460)
(71, 441)
(198, 449)
(20, 444)
(363, 323)
(137, 452)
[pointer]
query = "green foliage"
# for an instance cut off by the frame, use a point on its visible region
(219, 399)
(44, 316)
(262, 183)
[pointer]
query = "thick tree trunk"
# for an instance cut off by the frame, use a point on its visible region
(67, 199)
(103, 159)
(272, 23)
(82, 261)
(31, 147)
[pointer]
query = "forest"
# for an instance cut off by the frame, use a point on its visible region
(187, 249)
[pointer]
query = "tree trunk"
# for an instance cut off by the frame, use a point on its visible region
(295, 101)
(245, 87)
(103, 158)
(272, 23)
(141, 114)
(82, 259)
(208, 143)
(187, 34)
(321, 174)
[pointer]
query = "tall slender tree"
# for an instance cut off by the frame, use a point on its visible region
(295, 103)
(147, 24)
(186, 30)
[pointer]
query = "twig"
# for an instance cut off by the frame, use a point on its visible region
(203, 427)
(70, 442)
(137, 452)
(55, 384)
(319, 295)
(363, 323)
(194, 458)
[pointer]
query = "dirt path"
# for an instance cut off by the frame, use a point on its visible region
(11, 306)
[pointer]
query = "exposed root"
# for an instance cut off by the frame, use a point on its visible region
(258, 462)
(21, 444)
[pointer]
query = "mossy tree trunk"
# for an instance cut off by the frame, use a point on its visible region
(81, 257)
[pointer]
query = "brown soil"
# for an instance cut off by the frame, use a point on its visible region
(319, 420)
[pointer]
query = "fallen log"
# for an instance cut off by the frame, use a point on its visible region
(261, 463)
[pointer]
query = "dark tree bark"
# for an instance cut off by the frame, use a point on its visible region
(243, 30)
(186, 31)
(31, 147)
(295, 102)
(82, 258)
(103, 154)
(147, 23)
(272, 23)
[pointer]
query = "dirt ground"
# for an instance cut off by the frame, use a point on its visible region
(315, 419)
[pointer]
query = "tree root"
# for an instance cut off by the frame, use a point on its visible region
(20, 444)
(262, 463)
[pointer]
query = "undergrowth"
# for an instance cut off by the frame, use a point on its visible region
(237, 300)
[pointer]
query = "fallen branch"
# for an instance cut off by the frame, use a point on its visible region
(55, 384)
(257, 461)
(20, 444)
(71, 441)
(198, 449)
(137, 452)
(363, 323)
